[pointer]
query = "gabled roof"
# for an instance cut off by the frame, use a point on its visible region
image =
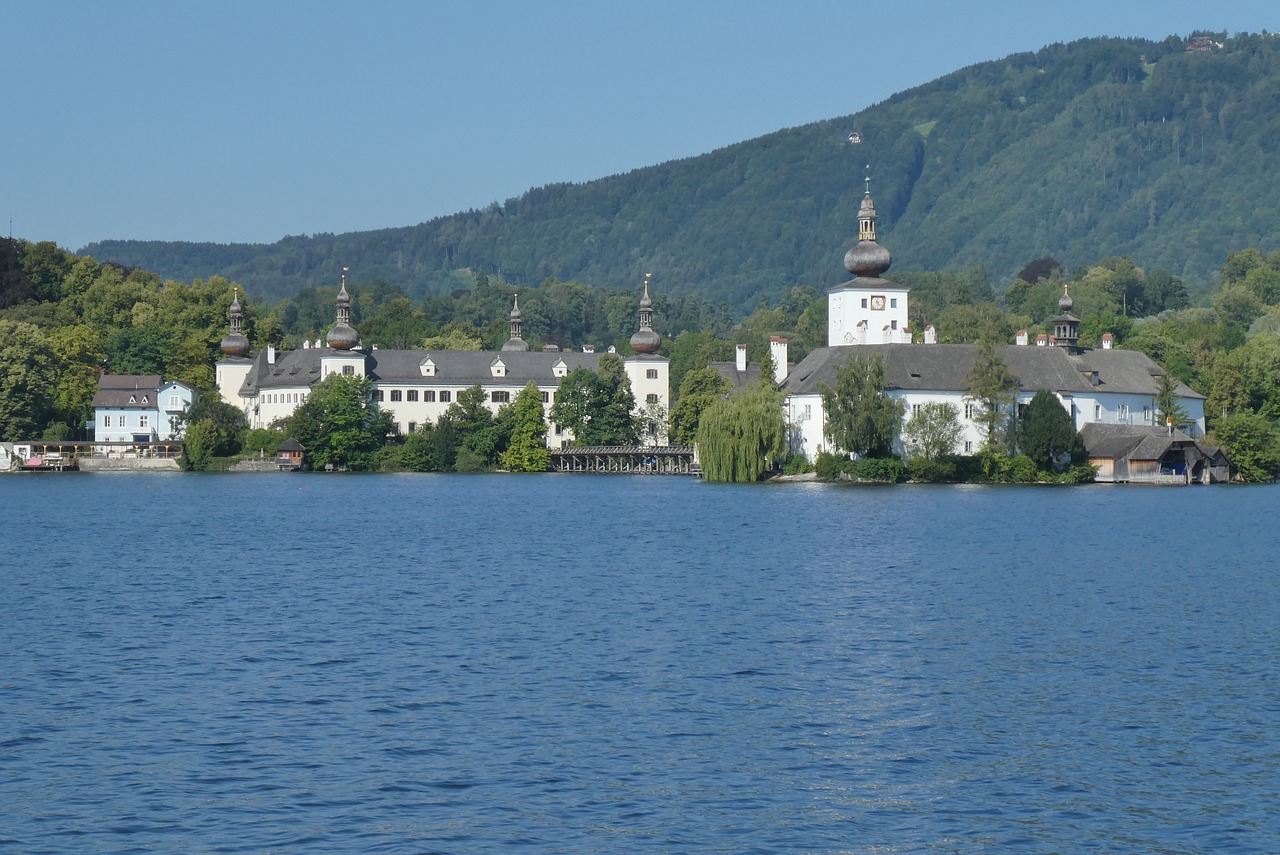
(122, 391)
(1131, 442)
(945, 368)
(294, 368)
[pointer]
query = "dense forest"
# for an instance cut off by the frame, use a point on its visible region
(1156, 151)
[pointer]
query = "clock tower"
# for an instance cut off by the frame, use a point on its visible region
(867, 309)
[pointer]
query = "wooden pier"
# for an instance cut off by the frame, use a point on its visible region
(626, 460)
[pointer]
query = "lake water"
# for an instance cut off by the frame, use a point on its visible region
(431, 663)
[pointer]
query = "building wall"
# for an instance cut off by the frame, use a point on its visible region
(807, 418)
(847, 307)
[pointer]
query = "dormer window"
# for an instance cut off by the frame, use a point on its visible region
(133, 399)
(428, 367)
(560, 369)
(498, 368)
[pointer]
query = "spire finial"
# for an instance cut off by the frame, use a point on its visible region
(868, 179)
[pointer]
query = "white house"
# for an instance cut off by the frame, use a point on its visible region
(139, 408)
(417, 386)
(1096, 386)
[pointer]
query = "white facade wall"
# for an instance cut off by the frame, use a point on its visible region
(807, 418)
(877, 308)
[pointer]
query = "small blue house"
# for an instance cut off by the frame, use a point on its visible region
(139, 408)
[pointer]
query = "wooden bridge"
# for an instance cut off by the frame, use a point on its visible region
(626, 459)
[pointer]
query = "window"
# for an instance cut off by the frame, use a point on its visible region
(500, 397)
(1146, 415)
(1097, 412)
(411, 395)
(968, 447)
(429, 396)
(106, 421)
(651, 398)
(348, 369)
(651, 374)
(915, 410)
(413, 427)
(864, 302)
(546, 397)
(446, 396)
(175, 403)
(1022, 410)
(377, 395)
(968, 411)
(559, 430)
(396, 395)
(893, 302)
(893, 324)
(142, 421)
(1123, 411)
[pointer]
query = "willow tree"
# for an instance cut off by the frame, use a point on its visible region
(739, 436)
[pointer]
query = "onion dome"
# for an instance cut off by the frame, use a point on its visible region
(235, 342)
(343, 336)
(645, 339)
(1065, 303)
(868, 258)
(515, 344)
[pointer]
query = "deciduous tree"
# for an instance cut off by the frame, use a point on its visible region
(993, 387)
(862, 418)
(740, 436)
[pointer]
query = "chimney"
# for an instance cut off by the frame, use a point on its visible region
(306, 345)
(1107, 340)
(271, 354)
(741, 361)
(778, 350)
(1021, 339)
(588, 348)
(1042, 340)
(930, 334)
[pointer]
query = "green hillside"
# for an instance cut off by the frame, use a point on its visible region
(1098, 148)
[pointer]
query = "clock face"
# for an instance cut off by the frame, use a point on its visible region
(877, 303)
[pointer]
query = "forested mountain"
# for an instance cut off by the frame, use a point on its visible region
(1159, 151)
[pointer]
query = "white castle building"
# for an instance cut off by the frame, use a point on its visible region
(417, 386)
(1107, 386)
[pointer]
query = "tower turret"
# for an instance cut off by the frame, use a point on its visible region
(515, 343)
(645, 339)
(235, 342)
(343, 336)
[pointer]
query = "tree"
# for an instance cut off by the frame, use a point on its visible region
(455, 337)
(27, 374)
(1168, 408)
(597, 406)
(1252, 444)
(862, 419)
(700, 389)
(992, 386)
(210, 428)
(527, 450)
(1047, 434)
(739, 436)
(340, 424)
(933, 431)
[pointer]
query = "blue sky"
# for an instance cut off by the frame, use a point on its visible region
(248, 121)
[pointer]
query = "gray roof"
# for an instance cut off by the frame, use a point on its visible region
(115, 390)
(295, 368)
(945, 367)
(1132, 442)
